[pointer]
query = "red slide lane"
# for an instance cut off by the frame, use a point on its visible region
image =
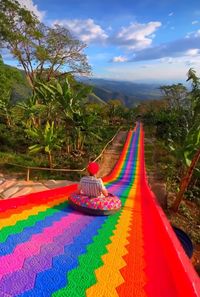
(169, 271)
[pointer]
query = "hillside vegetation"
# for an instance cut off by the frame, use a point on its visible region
(129, 93)
(46, 118)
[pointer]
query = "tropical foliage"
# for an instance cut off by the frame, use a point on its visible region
(53, 117)
(45, 111)
(177, 123)
(58, 121)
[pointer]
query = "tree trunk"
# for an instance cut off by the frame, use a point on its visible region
(78, 143)
(50, 160)
(68, 148)
(185, 181)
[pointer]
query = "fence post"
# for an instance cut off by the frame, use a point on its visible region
(28, 174)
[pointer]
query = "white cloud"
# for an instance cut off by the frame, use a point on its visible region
(189, 45)
(28, 4)
(193, 52)
(170, 14)
(136, 36)
(178, 60)
(197, 33)
(195, 22)
(166, 60)
(169, 70)
(119, 59)
(85, 30)
(191, 63)
(189, 59)
(193, 34)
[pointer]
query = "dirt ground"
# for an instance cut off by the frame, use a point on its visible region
(112, 153)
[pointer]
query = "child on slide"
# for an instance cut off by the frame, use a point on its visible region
(92, 186)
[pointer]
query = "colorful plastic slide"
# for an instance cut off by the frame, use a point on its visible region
(48, 249)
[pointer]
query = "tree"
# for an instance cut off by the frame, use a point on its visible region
(191, 147)
(175, 95)
(187, 177)
(177, 113)
(43, 52)
(115, 109)
(195, 93)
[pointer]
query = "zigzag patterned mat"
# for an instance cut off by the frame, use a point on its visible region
(48, 249)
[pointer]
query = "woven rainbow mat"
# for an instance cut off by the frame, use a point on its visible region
(48, 249)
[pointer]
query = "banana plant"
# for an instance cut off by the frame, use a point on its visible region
(47, 140)
(32, 111)
(69, 97)
(65, 100)
(86, 128)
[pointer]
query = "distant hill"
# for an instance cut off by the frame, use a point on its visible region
(129, 93)
(13, 79)
(95, 99)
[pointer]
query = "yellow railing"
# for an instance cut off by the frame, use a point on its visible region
(28, 168)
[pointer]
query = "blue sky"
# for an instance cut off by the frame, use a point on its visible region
(145, 40)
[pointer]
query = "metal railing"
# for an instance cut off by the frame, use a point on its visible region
(29, 168)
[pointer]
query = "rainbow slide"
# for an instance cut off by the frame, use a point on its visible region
(48, 249)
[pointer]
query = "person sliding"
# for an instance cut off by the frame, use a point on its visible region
(91, 185)
(92, 196)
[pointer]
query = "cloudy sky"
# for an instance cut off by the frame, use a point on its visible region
(147, 40)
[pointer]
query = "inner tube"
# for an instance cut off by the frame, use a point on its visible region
(184, 240)
(101, 206)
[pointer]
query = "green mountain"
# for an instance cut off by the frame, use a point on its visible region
(95, 99)
(13, 80)
(129, 93)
